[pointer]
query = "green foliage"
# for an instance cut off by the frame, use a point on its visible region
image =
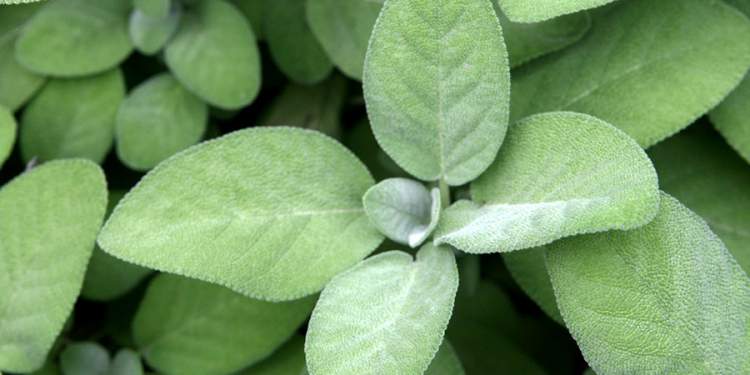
(150, 34)
(7, 133)
(85, 358)
(17, 84)
(540, 10)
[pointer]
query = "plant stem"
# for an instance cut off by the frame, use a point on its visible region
(445, 193)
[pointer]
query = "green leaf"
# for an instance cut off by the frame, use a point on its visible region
(153, 8)
(343, 29)
(84, 358)
(664, 298)
(446, 362)
(253, 11)
(539, 10)
(17, 1)
(126, 362)
(185, 326)
(49, 368)
(403, 210)
(214, 55)
(287, 360)
(559, 174)
(742, 5)
(7, 134)
(72, 118)
(389, 310)
(49, 218)
(315, 107)
(150, 34)
(437, 86)
(530, 272)
(158, 119)
(17, 84)
(75, 37)
(274, 223)
(293, 46)
(705, 175)
(694, 54)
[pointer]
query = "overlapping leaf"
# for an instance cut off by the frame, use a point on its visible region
(287, 360)
(540, 10)
(7, 133)
(17, 84)
(84, 358)
(530, 272)
(150, 34)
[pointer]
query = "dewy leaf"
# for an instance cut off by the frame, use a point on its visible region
(389, 310)
(403, 210)
(287, 360)
(84, 358)
(126, 362)
(446, 362)
(158, 119)
(72, 118)
(559, 174)
(7, 134)
(437, 86)
(664, 298)
(150, 34)
(648, 67)
(705, 175)
(75, 37)
(17, 84)
(49, 218)
(214, 54)
(530, 272)
(272, 213)
(343, 29)
(181, 317)
(293, 46)
(539, 10)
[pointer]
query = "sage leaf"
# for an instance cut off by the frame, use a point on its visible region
(126, 362)
(153, 8)
(446, 362)
(539, 10)
(437, 87)
(664, 298)
(530, 272)
(403, 210)
(75, 37)
(730, 119)
(214, 55)
(276, 223)
(652, 89)
(293, 46)
(49, 219)
(253, 11)
(287, 360)
(150, 34)
(180, 317)
(390, 309)
(17, 84)
(559, 174)
(72, 118)
(7, 134)
(158, 119)
(84, 358)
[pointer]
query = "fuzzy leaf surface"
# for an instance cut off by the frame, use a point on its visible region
(528, 11)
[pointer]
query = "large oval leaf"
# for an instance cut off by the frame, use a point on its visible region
(72, 118)
(214, 55)
(437, 105)
(387, 315)
(540, 10)
(7, 133)
(558, 174)
(181, 317)
(75, 37)
(698, 54)
(272, 213)
(17, 84)
(156, 120)
(49, 218)
(665, 298)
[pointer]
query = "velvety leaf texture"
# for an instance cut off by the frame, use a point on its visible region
(530, 272)
(7, 133)
(17, 84)
(664, 298)
(49, 217)
(274, 223)
(436, 83)
(558, 174)
(150, 34)
(540, 10)
(386, 315)
(189, 327)
(648, 67)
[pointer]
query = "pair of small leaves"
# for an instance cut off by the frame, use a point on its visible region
(17, 84)
(88, 358)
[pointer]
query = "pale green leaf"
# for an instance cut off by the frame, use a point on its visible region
(272, 213)
(150, 34)
(153, 8)
(667, 298)
(7, 133)
(705, 175)
(72, 118)
(158, 119)
(126, 362)
(437, 87)
(446, 362)
(293, 46)
(17, 84)
(403, 210)
(49, 217)
(214, 54)
(189, 327)
(529, 271)
(84, 358)
(559, 174)
(648, 67)
(540, 10)
(75, 37)
(287, 360)
(386, 315)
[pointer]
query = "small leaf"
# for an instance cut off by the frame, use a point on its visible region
(446, 362)
(153, 8)
(293, 46)
(180, 317)
(650, 90)
(49, 218)
(664, 298)
(126, 362)
(558, 174)
(84, 358)
(17, 84)
(389, 310)
(158, 119)
(7, 134)
(287, 360)
(529, 271)
(403, 210)
(150, 34)
(72, 118)
(272, 213)
(214, 55)
(75, 37)
(437, 105)
(540, 10)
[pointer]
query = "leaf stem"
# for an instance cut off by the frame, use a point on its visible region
(445, 193)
